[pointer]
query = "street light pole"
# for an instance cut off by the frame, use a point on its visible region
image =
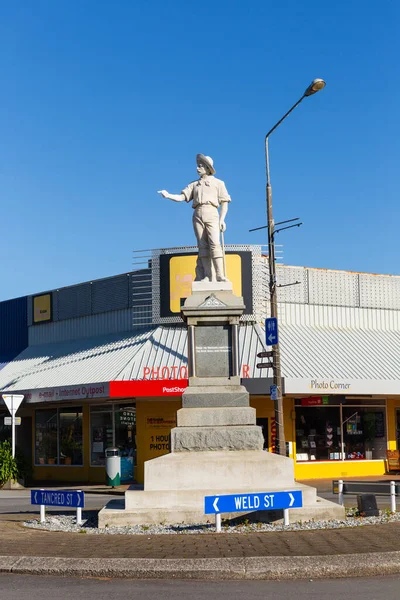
(315, 86)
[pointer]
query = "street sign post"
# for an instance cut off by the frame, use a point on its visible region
(268, 354)
(62, 498)
(9, 420)
(251, 502)
(13, 401)
(271, 331)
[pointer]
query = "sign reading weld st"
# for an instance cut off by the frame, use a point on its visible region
(271, 331)
(58, 498)
(250, 502)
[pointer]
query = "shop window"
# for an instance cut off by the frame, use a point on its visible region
(58, 436)
(114, 425)
(125, 439)
(364, 433)
(46, 437)
(70, 430)
(101, 433)
(317, 433)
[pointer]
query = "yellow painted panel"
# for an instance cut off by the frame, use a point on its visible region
(338, 469)
(154, 421)
(182, 271)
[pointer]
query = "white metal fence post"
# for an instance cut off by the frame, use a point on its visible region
(393, 496)
(340, 489)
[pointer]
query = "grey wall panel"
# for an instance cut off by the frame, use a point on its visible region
(379, 291)
(110, 294)
(74, 301)
(79, 328)
(292, 291)
(337, 288)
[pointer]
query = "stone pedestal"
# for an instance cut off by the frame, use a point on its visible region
(216, 414)
(216, 448)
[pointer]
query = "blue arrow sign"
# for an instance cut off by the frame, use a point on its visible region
(273, 392)
(250, 502)
(271, 331)
(66, 498)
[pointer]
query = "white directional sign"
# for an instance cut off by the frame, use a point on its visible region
(8, 420)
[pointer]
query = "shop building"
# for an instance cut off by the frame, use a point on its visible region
(105, 364)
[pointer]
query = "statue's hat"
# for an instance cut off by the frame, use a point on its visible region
(207, 161)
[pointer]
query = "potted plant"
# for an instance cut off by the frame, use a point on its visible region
(45, 451)
(67, 448)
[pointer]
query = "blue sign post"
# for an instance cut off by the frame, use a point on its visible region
(271, 331)
(273, 392)
(62, 498)
(251, 502)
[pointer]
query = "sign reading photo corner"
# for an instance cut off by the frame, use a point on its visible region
(42, 312)
(177, 271)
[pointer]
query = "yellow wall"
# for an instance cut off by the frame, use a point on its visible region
(154, 421)
(152, 440)
(336, 469)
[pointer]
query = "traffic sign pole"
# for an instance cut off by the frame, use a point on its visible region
(12, 401)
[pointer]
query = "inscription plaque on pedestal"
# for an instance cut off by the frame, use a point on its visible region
(213, 351)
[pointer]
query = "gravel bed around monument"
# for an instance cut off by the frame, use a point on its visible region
(68, 523)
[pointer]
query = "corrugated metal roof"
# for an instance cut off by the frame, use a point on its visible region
(114, 357)
(75, 362)
(306, 352)
(339, 353)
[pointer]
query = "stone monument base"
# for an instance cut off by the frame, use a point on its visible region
(176, 484)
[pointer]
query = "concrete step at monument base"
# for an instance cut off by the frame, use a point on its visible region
(145, 508)
(240, 470)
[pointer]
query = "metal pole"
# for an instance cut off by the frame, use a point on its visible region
(393, 496)
(42, 511)
(79, 513)
(276, 358)
(340, 490)
(12, 427)
(285, 517)
(218, 522)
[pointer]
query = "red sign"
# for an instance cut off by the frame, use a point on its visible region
(152, 387)
(312, 401)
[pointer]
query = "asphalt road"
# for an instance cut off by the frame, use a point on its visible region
(15, 587)
(14, 501)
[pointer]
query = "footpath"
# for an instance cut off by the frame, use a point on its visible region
(306, 554)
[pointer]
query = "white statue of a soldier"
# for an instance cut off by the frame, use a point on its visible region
(208, 194)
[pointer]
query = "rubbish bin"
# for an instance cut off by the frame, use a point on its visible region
(113, 467)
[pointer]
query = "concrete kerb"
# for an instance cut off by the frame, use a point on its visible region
(267, 568)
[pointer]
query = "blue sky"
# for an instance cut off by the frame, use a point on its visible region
(103, 103)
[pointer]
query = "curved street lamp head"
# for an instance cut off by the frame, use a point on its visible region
(314, 87)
